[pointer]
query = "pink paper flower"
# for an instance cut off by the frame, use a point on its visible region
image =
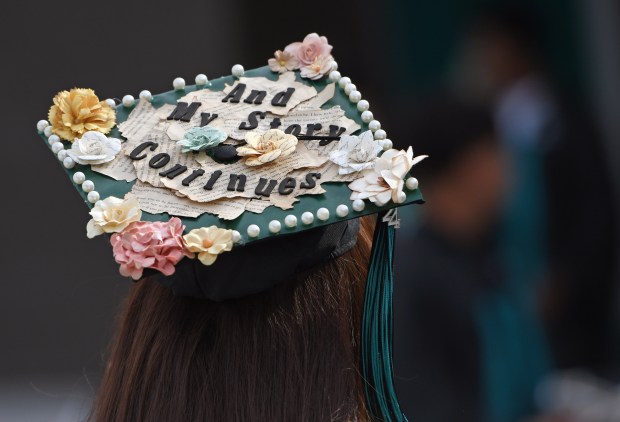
(309, 49)
(157, 245)
(319, 67)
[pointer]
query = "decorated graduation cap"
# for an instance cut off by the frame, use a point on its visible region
(228, 187)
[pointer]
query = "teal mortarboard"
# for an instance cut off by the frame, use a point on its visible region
(225, 188)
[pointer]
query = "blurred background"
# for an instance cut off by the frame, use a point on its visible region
(506, 295)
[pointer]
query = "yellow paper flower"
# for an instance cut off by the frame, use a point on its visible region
(262, 149)
(209, 242)
(77, 111)
(113, 215)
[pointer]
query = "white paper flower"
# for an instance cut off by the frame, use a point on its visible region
(265, 148)
(113, 215)
(318, 68)
(94, 148)
(208, 243)
(355, 153)
(385, 180)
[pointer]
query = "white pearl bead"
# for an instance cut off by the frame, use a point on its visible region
(367, 116)
(355, 96)
(47, 131)
(178, 84)
(307, 218)
(412, 183)
(62, 154)
(41, 125)
(358, 205)
(380, 135)
(334, 76)
(201, 79)
(342, 210)
(93, 196)
(333, 65)
(253, 230)
(68, 163)
(386, 144)
(275, 226)
(349, 88)
(111, 102)
(79, 177)
(57, 146)
(363, 105)
(401, 197)
(53, 139)
(146, 95)
(290, 221)
(236, 236)
(322, 214)
(88, 186)
(344, 81)
(128, 100)
(374, 125)
(237, 71)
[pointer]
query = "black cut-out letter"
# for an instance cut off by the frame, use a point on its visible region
(310, 180)
(313, 127)
(183, 112)
(237, 181)
(214, 176)
(135, 154)
(159, 160)
(334, 131)
(287, 186)
(206, 118)
(173, 171)
(235, 95)
(255, 97)
(293, 130)
(275, 123)
(261, 190)
(196, 173)
(252, 122)
(281, 98)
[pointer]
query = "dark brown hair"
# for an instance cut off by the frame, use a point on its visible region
(289, 354)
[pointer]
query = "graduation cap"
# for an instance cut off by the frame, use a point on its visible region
(228, 187)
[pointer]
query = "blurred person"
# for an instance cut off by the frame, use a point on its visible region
(559, 231)
(469, 346)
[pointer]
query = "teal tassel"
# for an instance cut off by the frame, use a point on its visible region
(376, 341)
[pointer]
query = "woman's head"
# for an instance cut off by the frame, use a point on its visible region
(290, 353)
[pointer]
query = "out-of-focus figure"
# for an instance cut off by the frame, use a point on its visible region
(470, 348)
(559, 225)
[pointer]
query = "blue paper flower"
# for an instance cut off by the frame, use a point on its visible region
(201, 138)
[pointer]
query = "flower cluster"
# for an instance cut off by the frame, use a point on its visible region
(202, 138)
(385, 180)
(355, 153)
(312, 57)
(78, 111)
(94, 148)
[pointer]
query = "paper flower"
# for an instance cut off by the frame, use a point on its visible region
(355, 153)
(283, 61)
(113, 215)
(262, 149)
(94, 148)
(385, 180)
(209, 242)
(309, 49)
(157, 245)
(77, 111)
(319, 67)
(201, 138)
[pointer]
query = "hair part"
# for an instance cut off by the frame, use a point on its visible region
(291, 353)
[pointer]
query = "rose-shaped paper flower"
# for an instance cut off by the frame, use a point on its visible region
(201, 138)
(157, 245)
(283, 61)
(209, 242)
(94, 148)
(309, 49)
(317, 69)
(113, 215)
(355, 153)
(267, 147)
(385, 180)
(77, 111)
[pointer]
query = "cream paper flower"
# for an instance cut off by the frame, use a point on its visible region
(283, 61)
(113, 215)
(94, 148)
(265, 148)
(208, 243)
(385, 180)
(319, 67)
(355, 153)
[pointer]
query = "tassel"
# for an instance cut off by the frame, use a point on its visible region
(376, 336)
